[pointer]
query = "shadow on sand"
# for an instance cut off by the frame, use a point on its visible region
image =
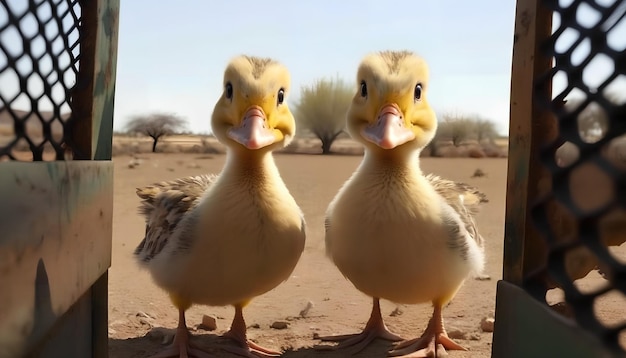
(143, 347)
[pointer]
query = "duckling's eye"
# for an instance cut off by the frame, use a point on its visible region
(363, 89)
(418, 91)
(229, 90)
(281, 96)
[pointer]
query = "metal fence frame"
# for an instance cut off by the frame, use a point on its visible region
(525, 326)
(56, 222)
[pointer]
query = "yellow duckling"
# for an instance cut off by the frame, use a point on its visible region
(222, 240)
(393, 232)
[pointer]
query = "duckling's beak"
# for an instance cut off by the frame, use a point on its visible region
(253, 133)
(389, 130)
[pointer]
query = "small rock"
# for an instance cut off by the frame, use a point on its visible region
(209, 323)
(164, 335)
(474, 337)
(193, 166)
(478, 173)
(396, 312)
(171, 169)
(306, 309)
(487, 323)
(254, 325)
(143, 315)
(145, 322)
(483, 278)
(112, 331)
(279, 325)
(457, 334)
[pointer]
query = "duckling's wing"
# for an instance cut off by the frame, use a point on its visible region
(164, 205)
(458, 194)
(463, 198)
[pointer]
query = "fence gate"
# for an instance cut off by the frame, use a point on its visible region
(57, 84)
(564, 287)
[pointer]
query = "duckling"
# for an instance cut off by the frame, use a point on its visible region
(224, 239)
(393, 232)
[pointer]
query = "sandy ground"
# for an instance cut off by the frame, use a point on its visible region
(136, 304)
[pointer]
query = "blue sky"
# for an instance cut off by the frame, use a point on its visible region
(171, 55)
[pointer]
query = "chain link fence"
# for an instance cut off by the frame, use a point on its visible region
(39, 59)
(583, 218)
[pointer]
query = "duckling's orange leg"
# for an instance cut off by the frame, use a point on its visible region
(433, 342)
(182, 347)
(375, 328)
(245, 347)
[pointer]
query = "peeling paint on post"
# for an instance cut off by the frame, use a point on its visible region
(56, 217)
(530, 127)
(95, 90)
(60, 222)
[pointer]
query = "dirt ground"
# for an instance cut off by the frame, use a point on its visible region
(141, 316)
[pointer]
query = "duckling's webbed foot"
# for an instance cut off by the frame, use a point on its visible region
(433, 343)
(244, 347)
(375, 328)
(182, 346)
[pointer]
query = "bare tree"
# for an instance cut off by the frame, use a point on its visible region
(484, 129)
(156, 125)
(322, 109)
(455, 128)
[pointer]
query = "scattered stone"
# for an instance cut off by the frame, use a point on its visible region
(112, 332)
(254, 325)
(316, 335)
(487, 323)
(171, 169)
(209, 323)
(306, 309)
(396, 312)
(483, 278)
(326, 299)
(162, 334)
(133, 163)
(478, 173)
(193, 166)
(144, 315)
(279, 325)
(145, 322)
(474, 337)
(457, 334)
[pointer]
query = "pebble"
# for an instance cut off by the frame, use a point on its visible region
(144, 315)
(487, 323)
(162, 334)
(279, 325)
(209, 323)
(254, 325)
(305, 311)
(396, 312)
(457, 334)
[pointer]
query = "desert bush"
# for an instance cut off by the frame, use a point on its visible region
(156, 125)
(457, 130)
(322, 109)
